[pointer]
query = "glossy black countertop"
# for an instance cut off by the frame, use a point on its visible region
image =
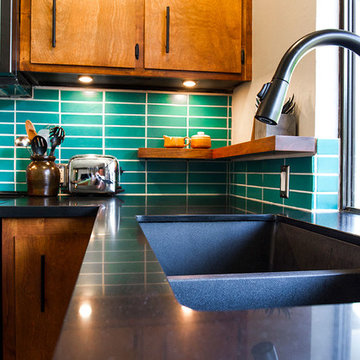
(123, 307)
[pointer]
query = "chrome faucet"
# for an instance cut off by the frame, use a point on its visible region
(272, 95)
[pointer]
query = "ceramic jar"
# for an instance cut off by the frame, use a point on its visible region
(200, 141)
(42, 176)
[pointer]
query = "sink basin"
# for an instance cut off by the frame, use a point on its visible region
(236, 262)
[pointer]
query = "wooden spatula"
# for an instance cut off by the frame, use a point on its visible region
(30, 129)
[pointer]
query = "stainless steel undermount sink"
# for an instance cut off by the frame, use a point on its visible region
(236, 262)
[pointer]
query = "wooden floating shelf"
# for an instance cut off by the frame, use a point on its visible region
(278, 146)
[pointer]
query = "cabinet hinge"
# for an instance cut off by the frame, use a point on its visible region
(242, 56)
(137, 51)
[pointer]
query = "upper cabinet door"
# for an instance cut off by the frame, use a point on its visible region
(87, 33)
(202, 35)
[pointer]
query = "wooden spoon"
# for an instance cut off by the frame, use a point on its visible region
(30, 129)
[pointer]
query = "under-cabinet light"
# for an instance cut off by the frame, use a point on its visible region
(85, 310)
(85, 79)
(189, 83)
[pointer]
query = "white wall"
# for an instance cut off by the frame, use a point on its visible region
(277, 25)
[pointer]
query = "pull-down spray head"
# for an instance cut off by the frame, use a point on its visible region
(272, 95)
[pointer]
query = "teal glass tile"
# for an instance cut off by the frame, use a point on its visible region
(239, 203)
(238, 178)
(34, 105)
(272, 196)
(6, 140)
(134, 188)
(20, 176)
(254, 206)
(207, 178)
(253, 193)
(155, 278)
(7, 164)
(10, 187)
(127, 177)
(239, 166)
(21, 187)
(298, 214)
(7, 104)
(301, 165)
(213, 133)
(6, 128)
(300, 200)
(329, 165)
(166, 177)
(6, 116)
(155, 143)
(81, 95)
(272, 180)
(116, 268)
(272, 165)
(22, 164)
(212, 166)
(8, 176)
(166, 188)
(167, 110)
(208, 100)
(208, 122)
(83, 142)
(123, 154)
(82, 130)
(208, 111)
(66, 154)
(327, 146)
(178, 121)
(153, 165)
(153, 267)
(255, 179)
(124, 143)
(132, 120)
(7, 153)
(327, 201)
(125, 131)
(167, 98)
(272, 209)
(133, 165)
(46, 94)
(91, 108)
(215, 144)
(238, 190)
(160, 132)
(255, 166)
(130, 201)
(302, 182)
(207, 188)
(38, 118)
(135, 109)
(118, 96)
(327, 183)
(168, 200)
(230, 111)
(215, 200)
(230, 100)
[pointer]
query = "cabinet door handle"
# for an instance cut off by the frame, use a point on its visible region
(42, 283)
(53, 39)
(167, 45)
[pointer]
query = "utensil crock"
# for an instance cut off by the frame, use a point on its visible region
(176, 141)
(42, 176)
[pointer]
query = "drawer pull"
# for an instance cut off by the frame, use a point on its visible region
(42, 283)
(53, 40)
(167, 45)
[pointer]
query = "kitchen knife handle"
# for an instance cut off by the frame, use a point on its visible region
(167, 45)
(42, 283)
(53, 40)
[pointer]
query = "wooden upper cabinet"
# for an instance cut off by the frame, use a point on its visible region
(88, 33)
(203, 35)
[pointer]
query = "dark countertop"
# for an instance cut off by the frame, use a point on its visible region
(123, 308)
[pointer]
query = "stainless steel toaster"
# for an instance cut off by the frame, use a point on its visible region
(94, 174)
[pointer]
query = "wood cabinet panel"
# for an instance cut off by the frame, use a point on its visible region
(29, 331)
(204, 35)
(88, 33)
